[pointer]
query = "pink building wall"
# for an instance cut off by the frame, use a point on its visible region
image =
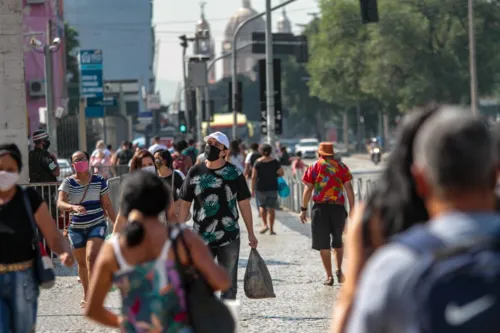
(35, 22)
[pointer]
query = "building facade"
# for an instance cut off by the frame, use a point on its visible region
(246, 60)
(36, 17)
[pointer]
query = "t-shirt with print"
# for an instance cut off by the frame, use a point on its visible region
(94, 214)
(328, 177)
(216, 194)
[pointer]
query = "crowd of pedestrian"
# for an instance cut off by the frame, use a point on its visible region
(423, 248)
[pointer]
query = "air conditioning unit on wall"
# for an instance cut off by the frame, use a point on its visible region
(36, 88)
(35, 2)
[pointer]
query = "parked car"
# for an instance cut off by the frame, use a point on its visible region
(308, 147)
(290, 144)
(64, 167)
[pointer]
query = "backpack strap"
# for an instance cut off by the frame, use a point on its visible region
(420, 240)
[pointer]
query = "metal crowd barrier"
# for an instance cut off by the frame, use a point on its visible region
(363, 183)
(49, 192)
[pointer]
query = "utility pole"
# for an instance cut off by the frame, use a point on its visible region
(49, 88)
(269, 75)
(472, 60)
(207, 106)
(199, 116)
(82, 125)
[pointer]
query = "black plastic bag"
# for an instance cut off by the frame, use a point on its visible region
(257, 282)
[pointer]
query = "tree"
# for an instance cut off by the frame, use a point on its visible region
(72, 44)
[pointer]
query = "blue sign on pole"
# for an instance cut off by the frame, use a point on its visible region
(91, 81)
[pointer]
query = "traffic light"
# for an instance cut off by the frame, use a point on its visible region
(182, 122)
(369, 11)
(184, 42)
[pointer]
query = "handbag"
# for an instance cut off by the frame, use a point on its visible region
(206, 312)
(43, 268)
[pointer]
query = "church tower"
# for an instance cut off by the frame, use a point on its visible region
(206, 46)
(284, 24)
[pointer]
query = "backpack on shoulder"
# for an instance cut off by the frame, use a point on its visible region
(455, 289)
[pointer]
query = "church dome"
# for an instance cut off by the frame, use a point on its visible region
(245, 12)
(284, 24)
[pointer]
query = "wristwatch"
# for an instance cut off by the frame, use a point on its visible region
(303, 209)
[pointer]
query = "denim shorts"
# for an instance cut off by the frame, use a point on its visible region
(78, 237)
(18, 301)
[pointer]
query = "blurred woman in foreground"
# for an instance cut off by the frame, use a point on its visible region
(392, 208)
(143, 264)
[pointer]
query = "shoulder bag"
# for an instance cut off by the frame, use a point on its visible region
(43, 268)
(206, 312)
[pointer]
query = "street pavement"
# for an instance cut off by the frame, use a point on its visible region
(302, 303)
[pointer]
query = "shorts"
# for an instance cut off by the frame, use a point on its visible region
(78, 237)
(267, 199)
(327, 226)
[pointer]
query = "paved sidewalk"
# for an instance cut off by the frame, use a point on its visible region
(302, 303)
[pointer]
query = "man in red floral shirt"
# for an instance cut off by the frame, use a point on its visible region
(326, 181)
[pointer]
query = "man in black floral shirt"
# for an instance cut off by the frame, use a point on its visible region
(218, 188)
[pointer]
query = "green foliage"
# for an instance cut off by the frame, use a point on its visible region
(417, 52)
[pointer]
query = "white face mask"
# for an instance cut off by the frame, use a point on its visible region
(8, 180)
(150, 168)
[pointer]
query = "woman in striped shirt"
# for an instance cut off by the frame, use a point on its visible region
(86, 197)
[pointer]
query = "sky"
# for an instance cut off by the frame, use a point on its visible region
(174, 18)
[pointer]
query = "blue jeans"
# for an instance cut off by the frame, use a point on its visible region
(227, 257)
(18, 302)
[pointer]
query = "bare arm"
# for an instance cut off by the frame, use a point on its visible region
(246, 214)
(62, 202)
(215, 275)
(350, 195)
(54, 238)
(254, 179)
(306, 196)
(108, 207)
(184, 208)
(355, 252)
(100, 284)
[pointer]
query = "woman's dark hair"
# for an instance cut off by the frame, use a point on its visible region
(394, 199)
(234, 147)
(254, 146)
(146, 193)
(165, 155)
(87, 156)
(266, 149)
(180, 146)
(136, 163)
(13, 150)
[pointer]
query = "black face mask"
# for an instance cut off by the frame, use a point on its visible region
(212, 153)
(46, 144)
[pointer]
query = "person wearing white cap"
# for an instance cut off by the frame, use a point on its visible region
(218, 188)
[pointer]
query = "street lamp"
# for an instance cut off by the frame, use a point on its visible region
(47, 50)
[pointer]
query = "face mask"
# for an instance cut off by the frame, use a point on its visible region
(158, 163)
(212, 153)
(46, 144)
(8, 180)
(149, 168)
(81, 166)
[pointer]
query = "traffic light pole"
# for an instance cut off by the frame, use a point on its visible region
(199, 116)
(269, 76)
(234, 48)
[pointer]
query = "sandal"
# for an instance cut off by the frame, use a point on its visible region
(328, 281)
(273, 233)
(264, 230)
(83, 304)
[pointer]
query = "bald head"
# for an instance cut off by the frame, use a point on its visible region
(456, 151)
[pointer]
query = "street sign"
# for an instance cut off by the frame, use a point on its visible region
(283, 44)
(153, 102)
(91, 81)
(108, 101)
(94, 112)
(197, 74)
